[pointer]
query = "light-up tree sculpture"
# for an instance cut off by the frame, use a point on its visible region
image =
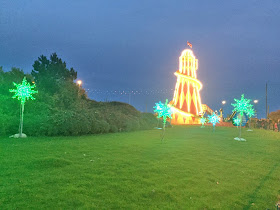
(236, 121)
(241, 106)
(157, 109)
(250, 113)
(213, 119)
(164, 111)
(23, 92)
(202, 121)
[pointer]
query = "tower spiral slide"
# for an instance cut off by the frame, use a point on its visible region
(186, 104)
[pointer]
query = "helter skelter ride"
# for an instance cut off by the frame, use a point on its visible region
(186, 104)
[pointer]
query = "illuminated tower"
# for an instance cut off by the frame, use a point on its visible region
(186, 101)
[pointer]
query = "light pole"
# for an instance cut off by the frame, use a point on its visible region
(221, 110)
(79, 82)
(255, 102)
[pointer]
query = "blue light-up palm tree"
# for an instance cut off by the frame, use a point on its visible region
(241, 106)
(214, 119)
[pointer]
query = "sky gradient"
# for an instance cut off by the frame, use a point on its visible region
(129, 45)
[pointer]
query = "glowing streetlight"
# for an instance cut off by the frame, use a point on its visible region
(79, 82)
(255, 102)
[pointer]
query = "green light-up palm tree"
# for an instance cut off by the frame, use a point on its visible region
(236, 121)
(23, 92)
(202, 121)
(164, 111)
(157, 109)
(241, 106)
(250, 113)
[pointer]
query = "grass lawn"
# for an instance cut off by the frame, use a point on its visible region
(194, 168)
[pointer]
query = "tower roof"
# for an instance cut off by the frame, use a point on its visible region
(187, 52)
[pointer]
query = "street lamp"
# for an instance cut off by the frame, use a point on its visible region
(221, 110)
(79, 82)
(255, 102)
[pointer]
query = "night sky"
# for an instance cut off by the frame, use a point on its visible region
(122, 46)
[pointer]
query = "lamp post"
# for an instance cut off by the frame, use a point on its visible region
(221, 110)
(255, 102)
(79, 82)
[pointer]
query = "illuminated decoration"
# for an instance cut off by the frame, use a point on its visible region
(236, 121)
(241, 106)
(158, 107)
(214, 119)
(206, 109)
(163, 111)
(250, 112)
(202, 121)
(23, 92)
(186, 101)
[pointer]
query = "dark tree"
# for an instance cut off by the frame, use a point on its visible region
(7, 78)
(51, 74)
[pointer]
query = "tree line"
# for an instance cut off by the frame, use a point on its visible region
(61, 107)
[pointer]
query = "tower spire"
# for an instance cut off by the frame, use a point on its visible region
(189, 44)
